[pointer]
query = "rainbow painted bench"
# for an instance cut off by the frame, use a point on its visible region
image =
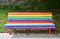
(30, 20)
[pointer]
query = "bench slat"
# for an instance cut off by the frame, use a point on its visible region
(27, 27)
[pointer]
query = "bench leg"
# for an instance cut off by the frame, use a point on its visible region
(10, 31)
(49, 31)
(28, 31)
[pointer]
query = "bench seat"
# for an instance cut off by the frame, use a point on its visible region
(30, 25)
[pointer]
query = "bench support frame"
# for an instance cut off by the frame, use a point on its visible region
(10, 31)
(49, 31)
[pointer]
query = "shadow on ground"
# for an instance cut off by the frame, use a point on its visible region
(34, 35)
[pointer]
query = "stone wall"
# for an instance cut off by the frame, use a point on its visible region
(5, 2)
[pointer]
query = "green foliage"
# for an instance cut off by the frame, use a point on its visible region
(14, 7)
(34, 5)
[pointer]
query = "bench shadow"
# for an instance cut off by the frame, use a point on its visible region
(34, 35)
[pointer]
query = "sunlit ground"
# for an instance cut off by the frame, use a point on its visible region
(30, 36)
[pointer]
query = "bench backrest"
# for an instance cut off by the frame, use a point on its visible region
(33, 19)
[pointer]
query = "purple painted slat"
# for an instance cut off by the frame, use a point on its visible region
(29, 27)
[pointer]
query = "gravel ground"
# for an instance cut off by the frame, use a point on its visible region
(30, 36)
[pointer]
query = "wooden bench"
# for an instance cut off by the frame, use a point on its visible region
(30, 20)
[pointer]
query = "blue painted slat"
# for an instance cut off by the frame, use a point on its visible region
(30, 25)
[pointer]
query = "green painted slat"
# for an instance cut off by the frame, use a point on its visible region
(29, 16)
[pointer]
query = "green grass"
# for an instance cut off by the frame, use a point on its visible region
(3, 19)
